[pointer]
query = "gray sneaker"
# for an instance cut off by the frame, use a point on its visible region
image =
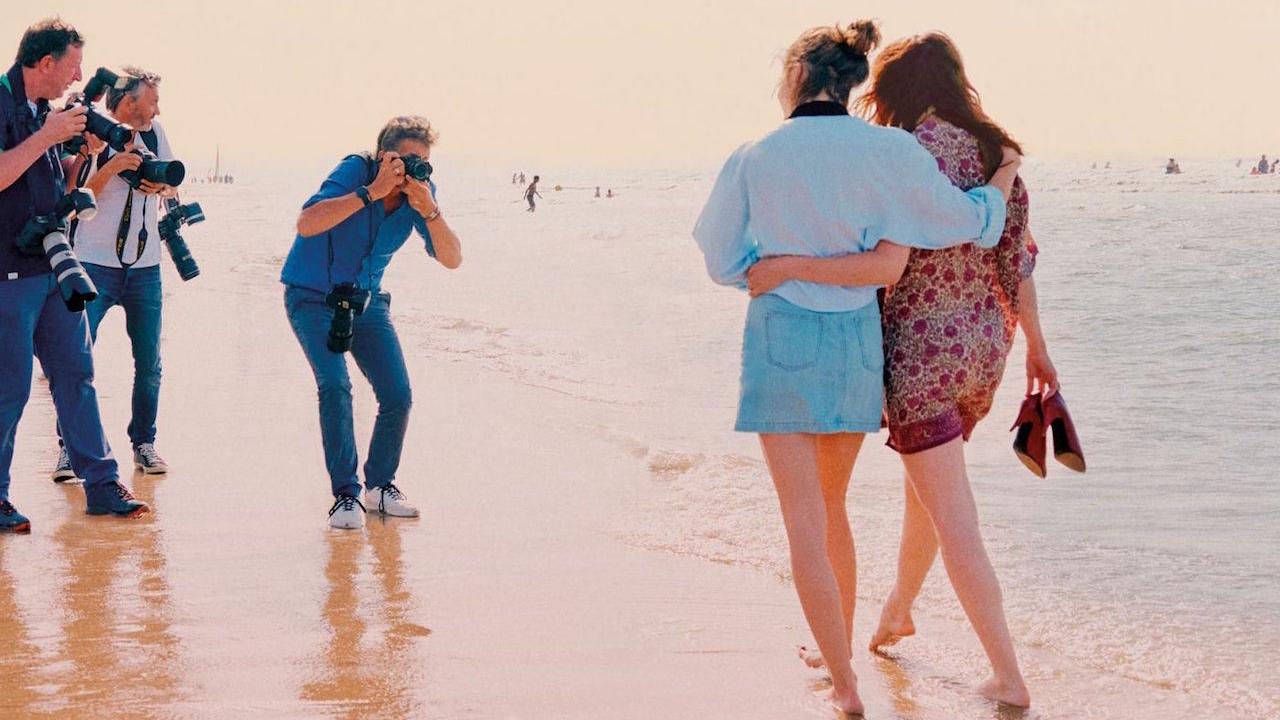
(388, 500)
(347, 513)
(63, 473)
(146, 459)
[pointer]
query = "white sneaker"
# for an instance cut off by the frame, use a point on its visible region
(347, 513)
(146, 459)
(63, 473)
(388, 500)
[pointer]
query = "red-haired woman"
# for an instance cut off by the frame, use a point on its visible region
(949, 323)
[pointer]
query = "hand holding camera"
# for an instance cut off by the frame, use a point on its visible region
(121, 162)
(420, 198)
(390, 176)
(62, 125)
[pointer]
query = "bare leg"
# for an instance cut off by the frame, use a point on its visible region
(793, 463)
(916, 552)
(836, 455)
(939, 478)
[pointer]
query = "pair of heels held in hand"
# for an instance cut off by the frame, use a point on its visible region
(1035, 419)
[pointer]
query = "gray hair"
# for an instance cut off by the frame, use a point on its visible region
(406, 127)
(136, 77)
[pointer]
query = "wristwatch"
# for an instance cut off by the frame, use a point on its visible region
(362, 192)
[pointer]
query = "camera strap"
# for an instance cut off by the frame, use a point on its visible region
(371, 171)
(126, 215)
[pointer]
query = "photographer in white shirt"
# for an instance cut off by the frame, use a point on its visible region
(120, 249)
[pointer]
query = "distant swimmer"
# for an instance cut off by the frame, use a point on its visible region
(597, 191)
(531, 192)
(1108, 167)
(1263, 166)
(610, 193)
(513, 179)
(522, 180)
(1172, 168)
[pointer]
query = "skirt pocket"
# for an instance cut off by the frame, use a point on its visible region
(792, 341)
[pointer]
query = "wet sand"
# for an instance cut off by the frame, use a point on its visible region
(508, 598)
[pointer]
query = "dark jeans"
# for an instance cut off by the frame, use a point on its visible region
(137, 291)
(376, 350)
(35, 322)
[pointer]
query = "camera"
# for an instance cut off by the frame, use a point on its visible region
(175, 216)
(153, 169)
(347, 301)
(416, 168)
(110, 132)
(47, 235)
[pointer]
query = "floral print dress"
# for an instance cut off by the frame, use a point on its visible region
(950, 320)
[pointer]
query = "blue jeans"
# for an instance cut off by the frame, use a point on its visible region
(376, 350)
(34, 322)
(137, 290)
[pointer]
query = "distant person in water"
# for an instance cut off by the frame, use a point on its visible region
(1172, 168)
(531, 192)
(513, 178)
(522, 180)
(1108, 167)
(1263, 166)
(610, 193)
(597, 191)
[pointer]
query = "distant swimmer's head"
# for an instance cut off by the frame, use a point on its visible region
(408, 135)
(923, 75)
(828, 61)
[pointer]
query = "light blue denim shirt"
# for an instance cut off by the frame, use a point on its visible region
(833, 185)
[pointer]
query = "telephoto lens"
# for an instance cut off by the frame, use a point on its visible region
(176, 215)
(153, 169)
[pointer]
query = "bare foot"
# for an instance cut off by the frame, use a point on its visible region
(894, 625)
(1013, 693)
(811, 657)
(848, 703)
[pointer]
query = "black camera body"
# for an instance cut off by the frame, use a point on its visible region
(153, 169)
(176, 215)
(347, 301)
(107, 130)
(47, 235)
(416, 168)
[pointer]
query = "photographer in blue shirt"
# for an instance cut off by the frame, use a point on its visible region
(347, 233)
(33, 319)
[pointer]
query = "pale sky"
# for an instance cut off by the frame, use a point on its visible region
(668, 82)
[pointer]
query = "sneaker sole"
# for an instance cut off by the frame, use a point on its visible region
(136, 512)
(389, 513)
(150, 470)
(22, 529)
(346, 527)
(65, 478)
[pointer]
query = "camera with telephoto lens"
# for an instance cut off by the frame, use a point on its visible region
(175, 216)
(347, 301)
(416, 168)
(110, 132)
(47, 235)
(153, 169)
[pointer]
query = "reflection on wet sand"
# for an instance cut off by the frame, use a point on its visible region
(362, 670)
(20, 660)
(115, 654)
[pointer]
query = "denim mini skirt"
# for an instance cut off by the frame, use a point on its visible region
(810, 372)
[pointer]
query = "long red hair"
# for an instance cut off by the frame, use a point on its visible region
(917, 74)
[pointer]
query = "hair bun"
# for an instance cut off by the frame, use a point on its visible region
(862, 36)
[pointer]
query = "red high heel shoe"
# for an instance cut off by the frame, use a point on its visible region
(1029, 443)
(1066, 445)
